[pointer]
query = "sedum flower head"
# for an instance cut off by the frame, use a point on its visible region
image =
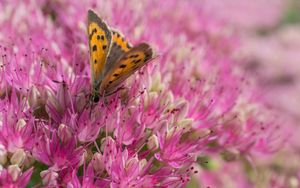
(192, 101)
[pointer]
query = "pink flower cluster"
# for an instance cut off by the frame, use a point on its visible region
(192, 102)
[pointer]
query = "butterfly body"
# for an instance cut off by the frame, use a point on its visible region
(112, 58)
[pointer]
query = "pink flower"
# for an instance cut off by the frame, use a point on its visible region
(16, 125)
(13, 177)
(87, 180)
(125, 170)
(224, 175)
(174, 152)
(58, 150)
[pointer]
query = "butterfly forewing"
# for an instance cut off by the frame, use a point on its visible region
(125, 66)
(100, 39)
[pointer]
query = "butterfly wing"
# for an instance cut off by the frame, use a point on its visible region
(130, 62)
(119, 47)
(100, 39)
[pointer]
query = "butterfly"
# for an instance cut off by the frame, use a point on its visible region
(112, 58)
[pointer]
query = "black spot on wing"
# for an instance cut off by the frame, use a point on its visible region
(135, 67)
(116, 75)
(104, 47)
(100, 37)
(94, 48)
(122, 66)
(134, 56)
(95, 61)
(136, 61)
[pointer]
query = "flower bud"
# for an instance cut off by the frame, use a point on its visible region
(29, 160)
(49, 177)
(199, 134)
(231, 155)
(156, 85)
(132, 163)
(183, 107)
(98, 163)
(143, 163)
(169, 99)
(33, 98)
(64, 132)
(20, 124)
(14, 171)
(153, 143)
(187, 122)
(3, 155)
(84, 157)
(18, 157)
(294, 182)
(149, 98)
(106, 142)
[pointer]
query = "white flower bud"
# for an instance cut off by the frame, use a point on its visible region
(98, 163)
(64, 132)
(34, 97)
(20, 124)
(231, 155)
(187, 123)
(14, 171)
(18, 157)
(84, 157)
(131, 163)
(143, 163)
(29, 160)
(183, 107)
(294, 182)
(49, 177)
(153, 143)
(3, 155)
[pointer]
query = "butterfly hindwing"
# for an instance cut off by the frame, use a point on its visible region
(130, 62)
(100, 39)
(119, 47)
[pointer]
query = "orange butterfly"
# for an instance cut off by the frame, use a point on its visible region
(112, 58)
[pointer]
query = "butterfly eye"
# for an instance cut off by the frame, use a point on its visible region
(96, 98)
